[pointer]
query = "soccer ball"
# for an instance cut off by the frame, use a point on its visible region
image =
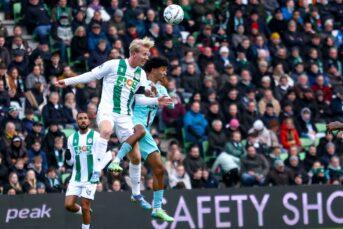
(173, 14)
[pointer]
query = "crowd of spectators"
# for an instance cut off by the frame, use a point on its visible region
(250, 78)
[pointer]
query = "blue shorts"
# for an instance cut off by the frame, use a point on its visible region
(147, 144)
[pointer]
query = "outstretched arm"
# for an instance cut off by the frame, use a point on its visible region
(96, 73)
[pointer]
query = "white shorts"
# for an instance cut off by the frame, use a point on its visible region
(122, 124)
(81, 189)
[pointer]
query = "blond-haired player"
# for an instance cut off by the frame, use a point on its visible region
(122, 78)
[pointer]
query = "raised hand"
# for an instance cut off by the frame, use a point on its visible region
(165, 101)
(60, 84)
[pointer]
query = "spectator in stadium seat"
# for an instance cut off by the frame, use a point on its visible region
(19, 62)
(190, 79)
(269, 115)
(245, 84)
(279, 175)
(291, 37)
(333, 59)
(13, 183)
(16, 151)
(174, 159)
(53, 111)
(168, 50)
(37, 167)
(37, 19)
(318, 175)
(195, 124)
(34, 77)
(36, 150)
(306, 126)
(277, 23)
(96, 19)
(283, 87)
(30, 181)
(214, 112)
(195, 166)
(288, 134)
(95, 35)
(268, 98)
(330, 152)
(79, 20)
(41, 188)
(335, 170)
(249, 113)
(94, 7)
(54, 67)
(59, 9)
(7, 135)
(62, 34)
(13, 117)
(234, 147)
(311, 157)
(118, 22)
(180, 175)
(217, 138)
(43, 51)
(56, 156)
(254, 168)
(297, 168)
(53, 182)
(98, 55)
(205, 57)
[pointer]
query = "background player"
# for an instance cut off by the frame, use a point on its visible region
(82, 155)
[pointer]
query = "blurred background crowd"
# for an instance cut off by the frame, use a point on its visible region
(254, 82)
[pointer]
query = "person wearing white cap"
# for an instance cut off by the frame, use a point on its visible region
(223, 59)
(264, 136)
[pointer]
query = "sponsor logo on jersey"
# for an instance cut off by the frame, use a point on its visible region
(128, 82)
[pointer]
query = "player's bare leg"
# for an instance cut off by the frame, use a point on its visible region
(139, 132)
(86, 212)
(155, 162)
(135, 175)
(105, 128)
(71, 206)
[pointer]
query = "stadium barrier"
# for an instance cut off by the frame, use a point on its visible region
(275, 207)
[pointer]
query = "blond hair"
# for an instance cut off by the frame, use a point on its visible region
(137, 43)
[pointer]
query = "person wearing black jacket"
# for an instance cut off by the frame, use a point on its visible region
(190, 79)
(53, 132)
(54, 111)
(37, 19)
(195, 166)
(36, 133)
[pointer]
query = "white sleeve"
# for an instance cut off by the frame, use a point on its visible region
(71, 149)
(143, 100)
(84, 78)
(96, 73)
(106, 68)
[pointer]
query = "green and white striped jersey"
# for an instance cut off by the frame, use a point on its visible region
(83, 155)
(120, 83)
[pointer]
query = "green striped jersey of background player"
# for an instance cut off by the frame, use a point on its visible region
(82, 151)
